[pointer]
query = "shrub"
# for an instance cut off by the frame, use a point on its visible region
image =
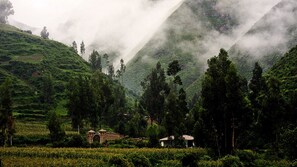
(119, 161)
(247, 157)
(190, 160)
(231, 161)
(139, 160)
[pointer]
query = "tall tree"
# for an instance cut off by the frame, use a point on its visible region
(57, 134)
(155, 90)
(120, 72)
(48, 92)
(6, 117)
(273, 118)
(223, 102)
(95, 61)
(5, 10)
(74, 46)
(111, 72)
(44, 34)
(257, 92)
(82, 48)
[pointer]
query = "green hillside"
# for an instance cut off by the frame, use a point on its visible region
(27, 59)
(286, 70)
(181, 38)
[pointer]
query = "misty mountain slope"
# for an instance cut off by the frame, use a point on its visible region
(268, 40)
(182, 38)
(286, 70)
(27, 59)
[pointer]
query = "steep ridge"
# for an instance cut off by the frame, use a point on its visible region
(180, 38)
(286, 71)
(27, 59)
(268, 40)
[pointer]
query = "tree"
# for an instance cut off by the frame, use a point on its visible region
(111, 71)
(82, 48)
(120, 72)
(57, 134)
(6, 116)
(5, 10)
(76, 102)
(44, 34)
(273, 116)
(173, 69)
(155, 90)
(48, 91)
(95, 61)
(257, 88)
(103, 95)
(223, 102)
(74, 46)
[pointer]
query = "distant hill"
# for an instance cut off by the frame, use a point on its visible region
(27, 59)
(180, 38)
(268, 40)
(190, 33)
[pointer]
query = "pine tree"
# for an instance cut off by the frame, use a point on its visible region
(223, 102)
(6, 116)
(57, 134)
(95, 61)
(74, 46)
(82, 48)
(155, 90)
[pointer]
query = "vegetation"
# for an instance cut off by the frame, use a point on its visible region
(129, 157)
(49, 88)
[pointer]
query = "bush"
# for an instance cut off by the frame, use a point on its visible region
(190, 160)
(119, 161)
(231, 161)
(139, 160)
(247, 157)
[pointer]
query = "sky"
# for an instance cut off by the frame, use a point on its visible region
(104, 25)
(123, 26)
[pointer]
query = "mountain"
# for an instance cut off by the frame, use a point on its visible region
(182, 37)
(268, 40)
(198, 29)
(286, 71)
(27, 59)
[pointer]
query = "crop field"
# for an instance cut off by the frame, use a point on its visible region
(43, 156)
(39, 156)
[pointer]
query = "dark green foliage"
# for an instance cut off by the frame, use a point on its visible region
(153, 132)
(95, 61)
(7, 120)
(54, 124)
(289, 143)
(139, 160)
(74, 46)
(48, 92)
(190, 160)
(224, 103)
(231, 161)
(155, 89)
(119, 161)
(82, 48)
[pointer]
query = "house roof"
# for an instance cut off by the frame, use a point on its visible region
(184, 137)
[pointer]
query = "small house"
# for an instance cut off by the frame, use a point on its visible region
(168, 141)
(102, 136)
